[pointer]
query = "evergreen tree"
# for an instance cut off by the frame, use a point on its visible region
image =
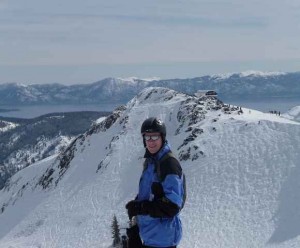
(115, 232)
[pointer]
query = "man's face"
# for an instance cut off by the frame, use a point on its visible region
(153, 142)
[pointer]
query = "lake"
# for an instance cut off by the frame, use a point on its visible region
(265, 105)
(34, 111)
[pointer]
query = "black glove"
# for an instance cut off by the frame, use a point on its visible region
(157, 190)
(135, 208)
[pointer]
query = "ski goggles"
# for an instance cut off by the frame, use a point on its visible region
(151, 137)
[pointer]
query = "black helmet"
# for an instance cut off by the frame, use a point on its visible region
(154, 125)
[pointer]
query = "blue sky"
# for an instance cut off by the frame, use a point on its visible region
(74, 41)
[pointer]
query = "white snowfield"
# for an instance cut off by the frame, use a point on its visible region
(242, 170)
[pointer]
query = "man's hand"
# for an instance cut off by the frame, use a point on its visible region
(133, 208)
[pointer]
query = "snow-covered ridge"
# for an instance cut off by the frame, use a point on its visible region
(249, 73)
(262, 74)
(241, 167)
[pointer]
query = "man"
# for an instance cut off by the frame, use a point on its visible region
(160, 195)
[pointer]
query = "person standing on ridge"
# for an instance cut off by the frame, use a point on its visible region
(161, 193)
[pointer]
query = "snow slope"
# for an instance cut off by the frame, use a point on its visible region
(293, 114)
(6, 125)
(242, 168)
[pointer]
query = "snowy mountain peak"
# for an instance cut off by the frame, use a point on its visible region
(241, 167)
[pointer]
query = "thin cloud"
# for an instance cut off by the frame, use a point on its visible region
(192, 21)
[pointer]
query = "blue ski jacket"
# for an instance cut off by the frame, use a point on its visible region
(162, 231)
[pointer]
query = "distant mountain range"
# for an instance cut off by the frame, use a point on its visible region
(250, 84)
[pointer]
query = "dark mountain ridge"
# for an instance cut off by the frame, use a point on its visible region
(31, 140)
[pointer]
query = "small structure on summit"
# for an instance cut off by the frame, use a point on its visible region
(201, 93)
